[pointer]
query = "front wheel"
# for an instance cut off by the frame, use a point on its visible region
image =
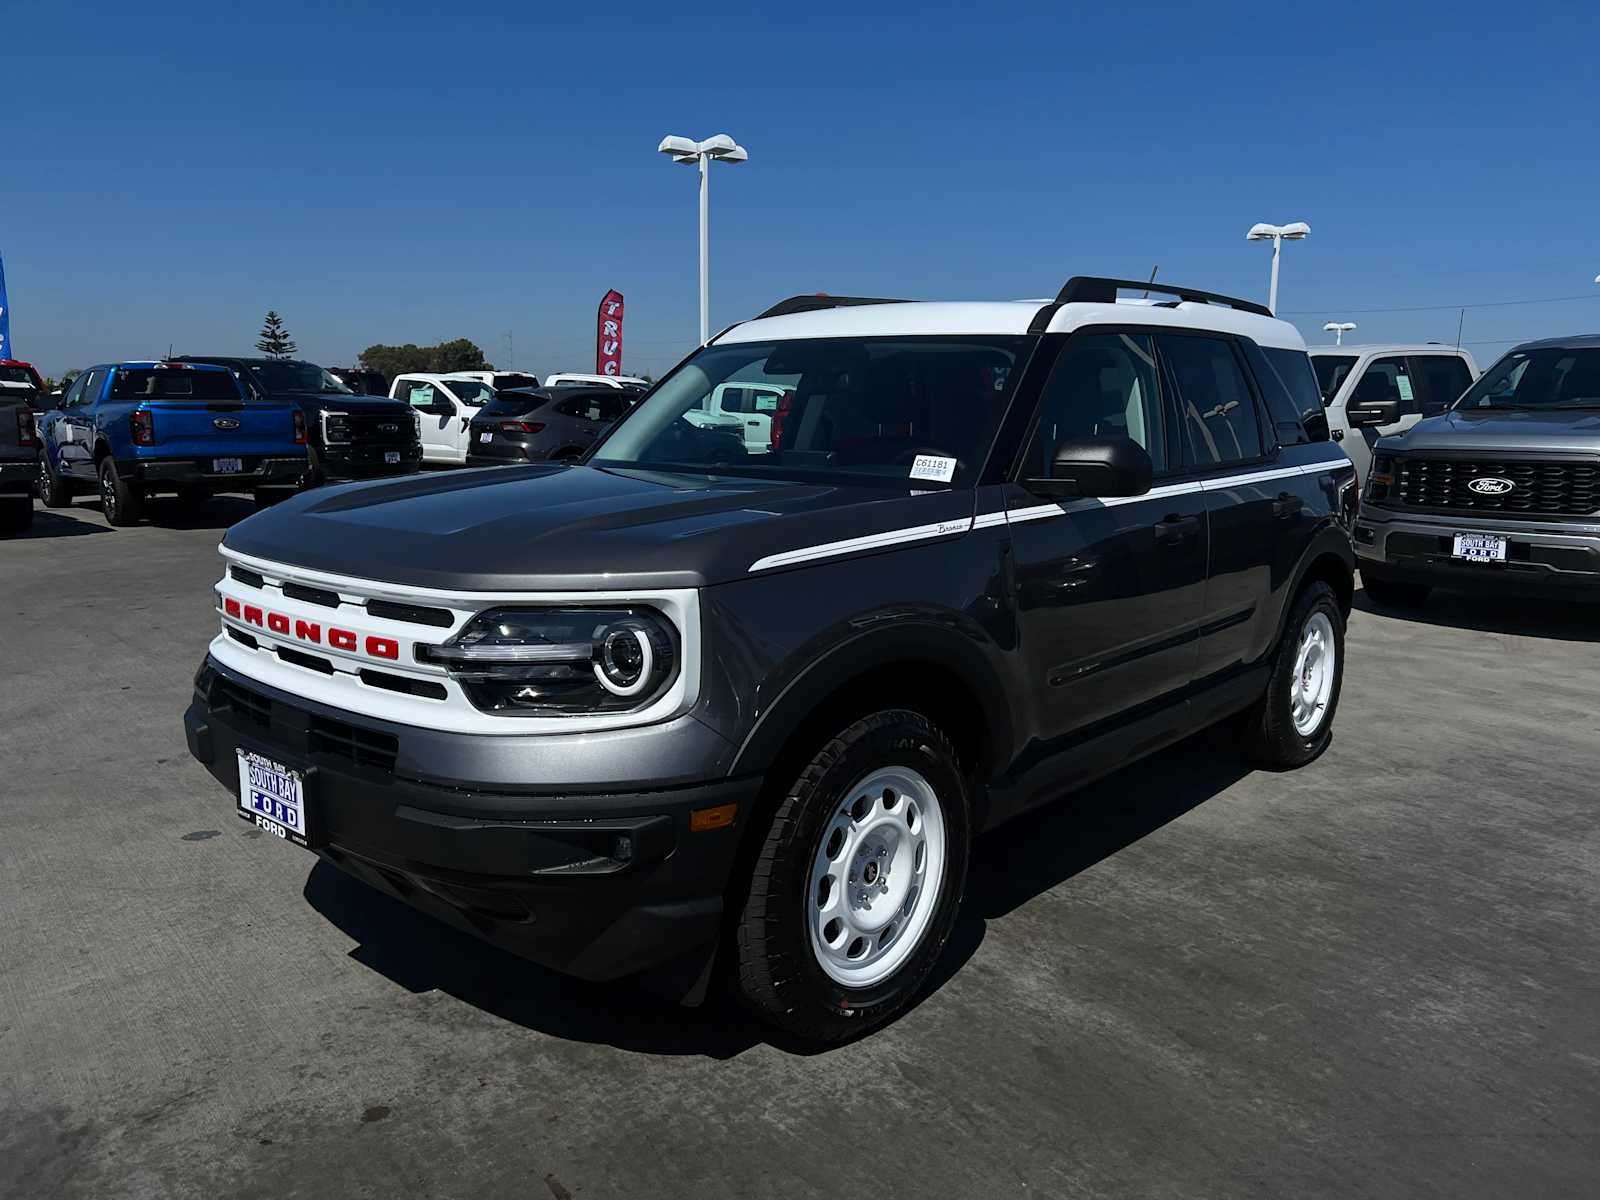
(858, 879)
(54, 491)
(1293, 723)
(122, 502)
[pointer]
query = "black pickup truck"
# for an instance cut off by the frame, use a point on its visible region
(348, 436)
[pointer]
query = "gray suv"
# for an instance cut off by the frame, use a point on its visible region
(1502, 491)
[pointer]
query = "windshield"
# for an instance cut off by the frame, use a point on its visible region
(158, 383)
(1331, 372)
(296, 377)
(19, 375)
(1546, 378)
(470, 391)
(889, 411)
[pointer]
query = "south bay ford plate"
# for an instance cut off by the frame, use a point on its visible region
(1480, 547)
(273, 796)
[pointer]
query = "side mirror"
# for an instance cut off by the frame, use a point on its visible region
(1096, 466)
(1374, 412)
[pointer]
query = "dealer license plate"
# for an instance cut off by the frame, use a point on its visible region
(273, 796)
(486, 436)
(391, 456)
(227, 466)
(1480, 547)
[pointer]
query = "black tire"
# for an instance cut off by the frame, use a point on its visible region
(1393, 594)
(16, 514)
(122, 502)
(54, 491)
(314, 477)
(1270, 734)
(778, 972)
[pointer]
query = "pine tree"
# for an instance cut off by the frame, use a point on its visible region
(275, 341)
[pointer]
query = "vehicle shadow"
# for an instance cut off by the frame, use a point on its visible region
(56, 523)
(1558, 620)
(215, 512)
(1010, 866)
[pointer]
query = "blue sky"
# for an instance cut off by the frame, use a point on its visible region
(409, 172)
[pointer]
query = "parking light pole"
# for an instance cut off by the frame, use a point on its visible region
(1339, 329)
(1277, 235)
(692, 153)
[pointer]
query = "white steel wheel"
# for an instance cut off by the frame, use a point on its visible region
(876, 877)
(1311, 688)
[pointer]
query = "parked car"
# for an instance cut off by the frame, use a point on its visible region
(1420, 380)
(500, 380)
(361, 381)
(744, 409)
(1502, 493)
(18, 380)
(19, 452)
(575, 379)
(524, 425)
(347, 436)
(620, 715)
(445, 406)
(137, 428)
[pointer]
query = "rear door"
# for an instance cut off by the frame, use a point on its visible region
(1109, 591)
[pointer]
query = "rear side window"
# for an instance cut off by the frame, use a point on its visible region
(144, 383)
(1216, 409)
(1443, 379)
(1103, 385)
(1290, 389)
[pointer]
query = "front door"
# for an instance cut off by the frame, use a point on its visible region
(1109, 592)
(1386, 378)
(436, 413)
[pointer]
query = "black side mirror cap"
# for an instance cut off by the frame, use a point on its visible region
(1096, 466)
(1374, 412)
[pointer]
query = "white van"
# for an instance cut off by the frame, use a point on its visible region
(1424, 380)
(445, 406)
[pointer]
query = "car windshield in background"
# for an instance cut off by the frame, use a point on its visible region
(1546, 378)
(858, 410)
(1331, 372)
(470, 391)
(296, 377)
(147, 383)
(18, 375)
(511, 403)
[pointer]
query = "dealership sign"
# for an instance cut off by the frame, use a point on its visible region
(608, 335)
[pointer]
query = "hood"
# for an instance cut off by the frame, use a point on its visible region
(549, 527)
(339, 402)
(1558, 431)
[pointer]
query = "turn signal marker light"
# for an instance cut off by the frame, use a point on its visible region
(703, 820)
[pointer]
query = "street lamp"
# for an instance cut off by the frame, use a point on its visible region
(692, 153)
(1339, 329)
(1277, 234)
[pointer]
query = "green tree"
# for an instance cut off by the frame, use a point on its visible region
(275, 341)
(458, 355)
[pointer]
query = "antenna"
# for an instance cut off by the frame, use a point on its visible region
(1153, 271)
(1462, 320)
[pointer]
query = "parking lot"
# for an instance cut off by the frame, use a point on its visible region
(1379, 975)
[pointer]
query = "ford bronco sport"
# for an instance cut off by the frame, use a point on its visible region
(668, 707)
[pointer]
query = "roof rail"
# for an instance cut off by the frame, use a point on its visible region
(1091, 289)
(820, 301)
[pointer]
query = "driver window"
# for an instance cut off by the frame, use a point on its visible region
(422, 395)
(1103, 385)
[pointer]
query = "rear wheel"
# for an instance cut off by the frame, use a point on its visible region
(122, 502)
(1393, 594)
(54, 491)
(1293, 723)
(16, 514)
(858, 878)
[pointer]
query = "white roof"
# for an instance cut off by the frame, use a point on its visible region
(924, 318)
(1388, 348)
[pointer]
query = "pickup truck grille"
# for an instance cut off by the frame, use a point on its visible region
(381, 429)
(1539, 488)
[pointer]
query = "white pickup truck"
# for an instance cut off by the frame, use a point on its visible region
(742, 408)
(1423, 379)
(445, 406)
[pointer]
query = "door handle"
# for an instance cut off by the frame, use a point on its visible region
(1287, 505)
(1173, 528)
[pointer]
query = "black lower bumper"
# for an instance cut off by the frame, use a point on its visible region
(17, 477)
(368, 461)
(598, 886)
(1542, 561)
(197, 474)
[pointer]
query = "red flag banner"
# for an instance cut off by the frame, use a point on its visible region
(608, 335)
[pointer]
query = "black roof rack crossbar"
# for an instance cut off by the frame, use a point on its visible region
(1091, 289)
(820, 301)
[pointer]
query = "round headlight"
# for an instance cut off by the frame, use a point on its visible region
(623, 660)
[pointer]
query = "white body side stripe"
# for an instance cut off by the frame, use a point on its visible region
(1037, 512)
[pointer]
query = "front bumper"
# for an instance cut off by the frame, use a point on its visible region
(599, 885)
(340, 461)
(257, 471)
(1542, 557)
(17, 477)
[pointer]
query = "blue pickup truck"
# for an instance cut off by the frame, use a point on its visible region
(132, 429)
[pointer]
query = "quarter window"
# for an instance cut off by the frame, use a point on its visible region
(1217, 410)
(1103, 385)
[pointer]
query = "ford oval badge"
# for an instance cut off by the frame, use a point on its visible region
(1490, 485)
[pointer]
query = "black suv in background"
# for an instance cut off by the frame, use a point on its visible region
(666, 708)
(521, 425)
(1502, 492)
(348, 436)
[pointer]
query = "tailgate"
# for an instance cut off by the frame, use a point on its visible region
(193, 429)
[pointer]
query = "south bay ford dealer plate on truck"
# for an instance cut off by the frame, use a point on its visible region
(273, 796)
(1480, 547)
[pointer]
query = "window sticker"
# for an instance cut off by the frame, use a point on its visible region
(932, 466)
(1403, 382)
